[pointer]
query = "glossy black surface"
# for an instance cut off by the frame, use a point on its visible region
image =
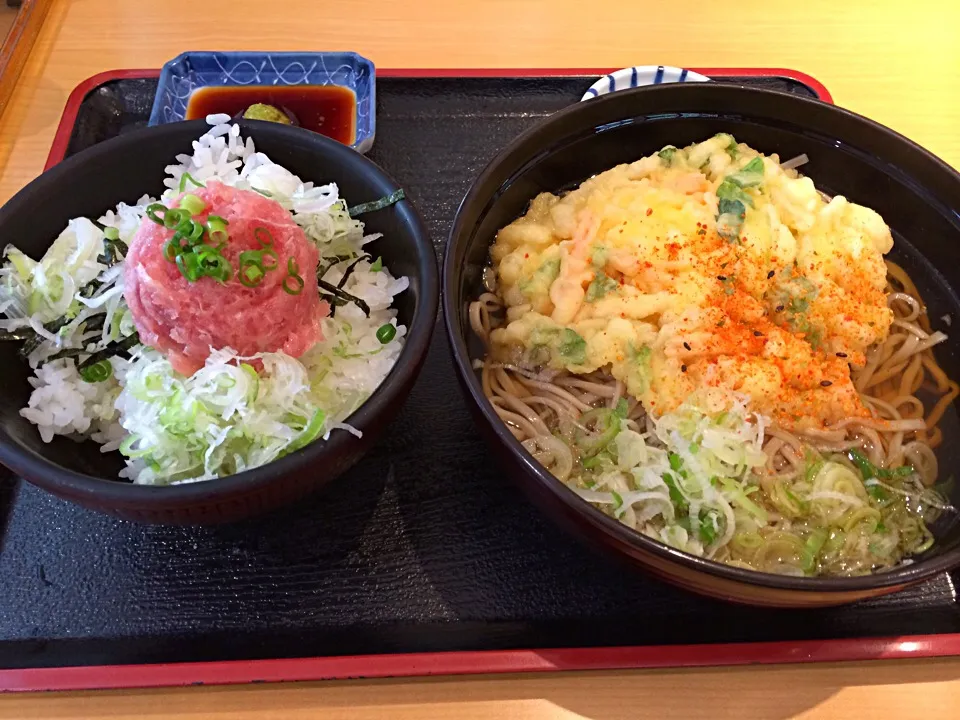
(849, 155)
(410, 550)
(125, 168)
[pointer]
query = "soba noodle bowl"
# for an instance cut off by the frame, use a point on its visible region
(705, 347)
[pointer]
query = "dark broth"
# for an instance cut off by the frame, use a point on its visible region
(325, 109)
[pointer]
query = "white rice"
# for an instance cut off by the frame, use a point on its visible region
(343, 369)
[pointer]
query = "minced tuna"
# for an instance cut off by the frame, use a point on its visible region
(187, 319)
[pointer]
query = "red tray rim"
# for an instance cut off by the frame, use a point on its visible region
(403, 665)
(61, 138)
(461, 662)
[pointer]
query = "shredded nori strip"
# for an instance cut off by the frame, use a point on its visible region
(117, 347)
(94, 322)
(334, 260)
(35, 340)
(349, 270)
(68, 353)
(113, 252)
(384, 202)
(343, 296)
(19, 334)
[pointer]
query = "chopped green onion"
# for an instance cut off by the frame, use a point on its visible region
(189, 266)
(217, 229)
(898, 473)
(111, 233)
(599, 428)
(263, 236)
(617, 501)
(310, 433)
(152, 211)
(621, 409)
(377, 265)
(214, 265)
(187, 177)
(667, 154)
(296, 288)
(811, 550)
(593, 462)
(251, 257)
(293, 269)
(192, 204)
(709, 526)
(250, 275)
(386, 333)
(869, 470)
(126, 447)
(174, 217)
(676, 497)
(380, 204)
(189, 229)
(98, 372)
(268, 253)
(171, 249)
(676, 462)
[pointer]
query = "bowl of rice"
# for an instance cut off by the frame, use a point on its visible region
(204, 321)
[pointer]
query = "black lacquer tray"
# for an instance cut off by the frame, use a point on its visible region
(421, 560)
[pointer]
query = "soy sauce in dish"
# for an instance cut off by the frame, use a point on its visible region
(325, 109)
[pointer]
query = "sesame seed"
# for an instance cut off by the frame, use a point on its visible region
(722, 278)
(757, 333)
(779, 308)
(686, 345)
(826, 383)
(771, 274)
(841, 355)
(683, 368)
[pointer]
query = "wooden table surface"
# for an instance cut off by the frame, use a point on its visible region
(896, 62)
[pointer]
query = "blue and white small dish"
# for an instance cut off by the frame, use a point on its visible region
(640, 75)
(192, 70)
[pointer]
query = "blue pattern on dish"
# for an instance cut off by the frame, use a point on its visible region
(192, 70)
(640, 75)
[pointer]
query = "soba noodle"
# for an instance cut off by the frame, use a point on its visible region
(847, 498)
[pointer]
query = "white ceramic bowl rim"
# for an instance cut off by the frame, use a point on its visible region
(641, 75)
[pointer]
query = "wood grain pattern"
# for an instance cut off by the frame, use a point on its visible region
(895, 63)
(879, 691)
(17, 45)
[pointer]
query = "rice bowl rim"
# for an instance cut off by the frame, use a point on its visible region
(35, 468)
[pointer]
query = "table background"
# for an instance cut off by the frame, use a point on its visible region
(898, 63)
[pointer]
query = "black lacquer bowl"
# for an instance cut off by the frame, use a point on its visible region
(917, 194)
(124, 169)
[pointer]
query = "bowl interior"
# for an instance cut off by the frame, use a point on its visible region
(126, 168)
(849, 155)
